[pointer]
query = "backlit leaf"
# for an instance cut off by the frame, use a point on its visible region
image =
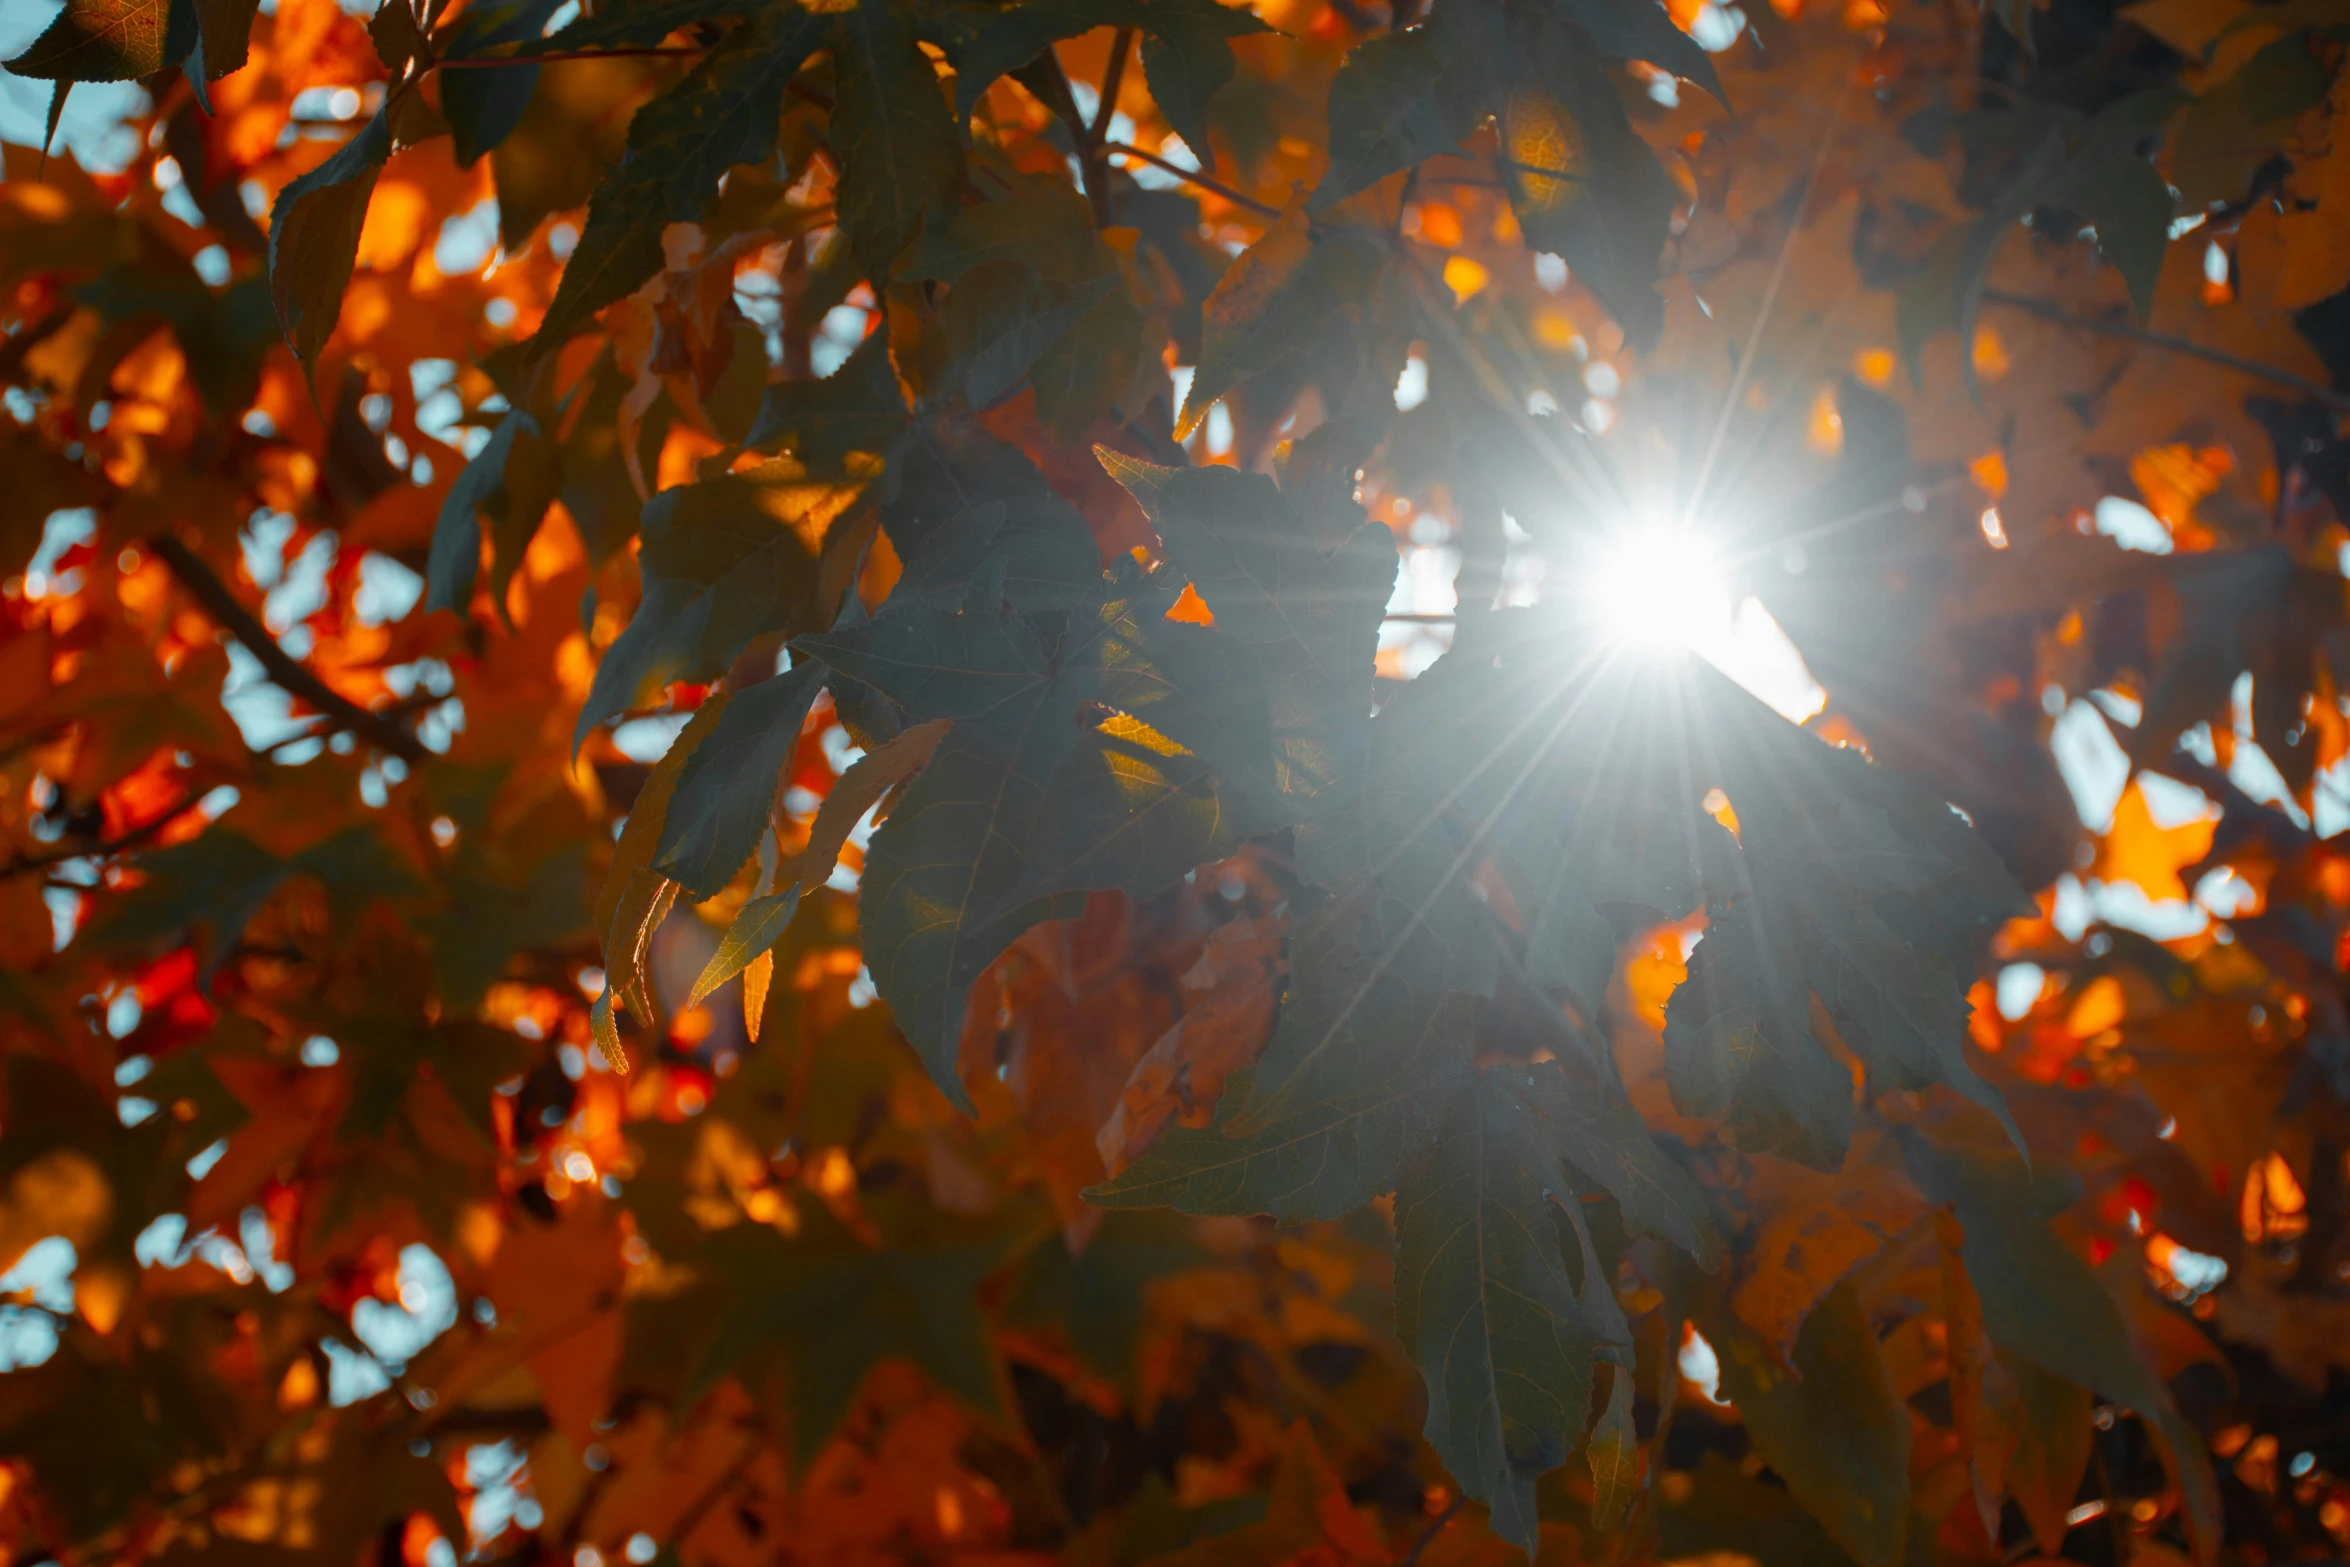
(314, 238)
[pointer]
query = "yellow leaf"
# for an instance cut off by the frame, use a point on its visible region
(62, 1192)
(1464, 277)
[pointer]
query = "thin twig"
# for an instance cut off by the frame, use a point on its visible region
(2049, 310)
(1429, 1534)
(1194, 177)
(1089, 166)
(1120, 47)
(129, 840)
(286, 672)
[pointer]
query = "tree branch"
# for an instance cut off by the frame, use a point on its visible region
(1121, 46)
(129, 840)
(2049, 310)
(285, 671)
(1194, 177)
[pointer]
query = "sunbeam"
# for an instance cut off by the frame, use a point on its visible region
(1659, 586)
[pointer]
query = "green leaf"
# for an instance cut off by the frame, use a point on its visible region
(1583, 183)
(640, 23)
(1645, 30)
(900, 152)
(492, 916)
(595, 487)
(2093, 165)
(2053, 1441)
(216, 881)
(1619, 858)
(1403, 97)
(1042, 223)
(860, 789)
(1835, 1430)
(723, 562)
(483, 106)
(1186, 51)
(987, 42)
(755, 931)
(224, 38)
(634, 896)
(2042, 1303)
(955, 495)
(1614, 1453)
(1395, 101)
(1739, 1046)
(1324, 1154)
(726, 791)
(727, 111)
(1289, 294)
(1041, 788)
(857, 408)
(2111, 181)
(314, 238)
(1305, 610)
(1590, 1122)
(1186, 57)
(1081, 375)
(1860, 890)
(1000, 317)
(1097, 1296)
(214, 884)
(1067, 322)
(110, 41)
(513, 479)
(1727, 1510)
(1487, 1305)
(824, 1309)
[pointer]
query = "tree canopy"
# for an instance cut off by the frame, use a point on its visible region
(1154, 781)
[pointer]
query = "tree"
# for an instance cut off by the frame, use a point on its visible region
(996, 780)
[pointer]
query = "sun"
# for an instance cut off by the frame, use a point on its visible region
(1661, 587)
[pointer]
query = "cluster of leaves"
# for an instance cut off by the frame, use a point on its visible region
(689, 864)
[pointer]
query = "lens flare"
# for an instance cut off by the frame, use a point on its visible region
(1660, 587)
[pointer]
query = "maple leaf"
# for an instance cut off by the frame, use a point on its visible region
(836, 1307)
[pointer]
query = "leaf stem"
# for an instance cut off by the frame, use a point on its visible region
(1429, 1534)
(1063, 103)
(286, 672)
(1213, 187)
(2049, 310)
(1120, 47)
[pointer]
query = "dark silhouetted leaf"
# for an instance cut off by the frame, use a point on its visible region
(314, 238)
(1835, 1430)
(899, 149)
(726, 792)
(723, 561)
(726, 112)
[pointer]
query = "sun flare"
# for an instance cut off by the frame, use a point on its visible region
(1660, 587)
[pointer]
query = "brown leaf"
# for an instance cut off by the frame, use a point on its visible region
(860, 789)
(1229, 995)
(1982, 1392)
(1814, 1230)
(314, 238)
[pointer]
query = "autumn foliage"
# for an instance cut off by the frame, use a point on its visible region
(995, 781)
